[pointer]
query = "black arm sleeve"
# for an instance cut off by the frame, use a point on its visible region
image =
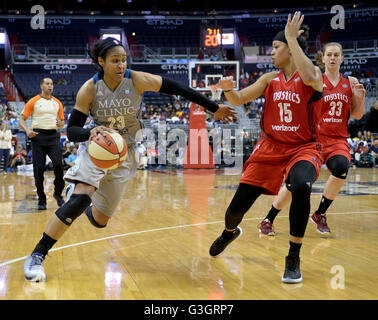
(173, 87)
(75, 130)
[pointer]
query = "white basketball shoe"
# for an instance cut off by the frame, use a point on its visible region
(33, 268)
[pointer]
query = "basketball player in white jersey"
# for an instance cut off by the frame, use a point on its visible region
(113, 98)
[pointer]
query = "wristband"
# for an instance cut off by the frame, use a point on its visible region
(75, 130)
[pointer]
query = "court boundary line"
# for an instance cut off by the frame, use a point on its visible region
(166, 228)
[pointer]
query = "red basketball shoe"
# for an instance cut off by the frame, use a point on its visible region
(266, 227)
(321, 223)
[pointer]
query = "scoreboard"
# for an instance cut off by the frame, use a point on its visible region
(212, 37)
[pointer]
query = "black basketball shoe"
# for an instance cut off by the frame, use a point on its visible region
(221, 243)
(41, 205)
(292, 271)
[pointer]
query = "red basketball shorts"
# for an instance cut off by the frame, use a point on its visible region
(271, 161)
(334, 147)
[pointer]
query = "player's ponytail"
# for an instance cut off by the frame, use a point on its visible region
(319, 60)
(302, 39)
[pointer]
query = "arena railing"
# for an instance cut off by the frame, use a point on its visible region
(24, 52)
(144, 53)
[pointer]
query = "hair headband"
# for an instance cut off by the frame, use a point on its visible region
(108, 43)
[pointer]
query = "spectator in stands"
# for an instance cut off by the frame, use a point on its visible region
(10, 111)
(3, 112)
(70, 160)
(152, 155)
(374, 150)
(201, 54)
(372, 118)
(360, 147)
(19, 157)
(5, 145)
(353, 143)
(174, 118)
(184, 118)
(369, 138)
(141, 156)
(14, 142)
(247, 146)
(243, 82)
(222, 153)
(67, 150)
(366, 159)
(210, 120)
(47, 116)
(359, 135)
(29, 157)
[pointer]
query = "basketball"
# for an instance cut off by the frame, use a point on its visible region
(108, 151)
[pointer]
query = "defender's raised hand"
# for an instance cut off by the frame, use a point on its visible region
(292, 26)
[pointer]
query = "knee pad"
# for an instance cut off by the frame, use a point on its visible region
(88, 212)
(339, 166)
(73, 208)
(302, 188)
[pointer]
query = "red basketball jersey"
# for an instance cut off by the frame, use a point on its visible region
(292, 110)
(337, 102)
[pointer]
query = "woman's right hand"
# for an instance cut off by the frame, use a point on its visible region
(227, 83)
(99, 130)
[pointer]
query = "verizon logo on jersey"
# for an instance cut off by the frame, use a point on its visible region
(332, 120)
(282, 127)
(287, 96)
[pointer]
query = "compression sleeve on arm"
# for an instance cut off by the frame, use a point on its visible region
(173, 87)
(75, 130)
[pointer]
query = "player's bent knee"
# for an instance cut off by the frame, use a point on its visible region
(339, 166)
(341, 171)
(301, 188)
(341, 174)
(92, 220)
(72, 209)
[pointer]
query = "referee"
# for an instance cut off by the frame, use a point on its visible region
(47, 115)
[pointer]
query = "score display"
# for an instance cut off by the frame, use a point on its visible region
(211, 37)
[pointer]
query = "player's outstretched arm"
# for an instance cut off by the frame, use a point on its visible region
(149, 82)
(252, 92)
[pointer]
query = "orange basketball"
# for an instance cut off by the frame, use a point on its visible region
(107, 151)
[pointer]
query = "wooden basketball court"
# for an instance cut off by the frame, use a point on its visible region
(156, 246)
